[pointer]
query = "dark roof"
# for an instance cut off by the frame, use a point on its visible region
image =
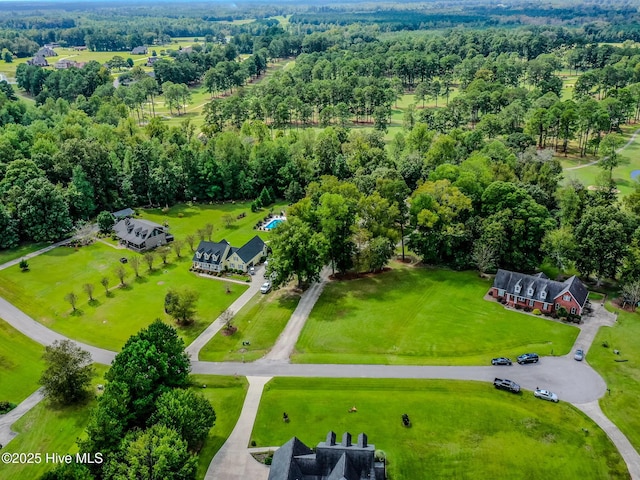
(135, 231)
(216, 251)
(127, 212)
(250, 249)
(539, 283)
(38, 61)
(343, 470)
(284, 466)
(139, 50)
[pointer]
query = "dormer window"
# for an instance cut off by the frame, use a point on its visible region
(198, 255)
(530, 291)
(543, 294)
(215, 258)
(518, 287)
(207, 256)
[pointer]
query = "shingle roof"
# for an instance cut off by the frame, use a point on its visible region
(539, 283)
(127, 212)
(283, 466)
(135, 231)
(250, 249)
(215, 251)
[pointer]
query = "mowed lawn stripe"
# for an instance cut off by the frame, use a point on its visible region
(421, 316)
(21, 364)
(459, 429)
(109, 321)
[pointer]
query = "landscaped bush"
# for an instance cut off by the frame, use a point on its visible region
(536, 311)
(518, 306)
(527, 308)
(6, 407)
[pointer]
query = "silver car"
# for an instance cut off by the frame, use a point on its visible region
(579, 356)
(545, 395)
(266, 287)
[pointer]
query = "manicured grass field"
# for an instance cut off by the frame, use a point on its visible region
(186, 219)
(413, 315)
(260, 322)
(20, 364)
(623, 378)
(459, 429)
(46, 429)
(109, 321)
(13, 253)
(226, 395)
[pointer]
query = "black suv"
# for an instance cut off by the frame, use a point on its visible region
(508, 385)
(528, 358)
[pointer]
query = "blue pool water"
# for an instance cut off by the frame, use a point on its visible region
(635, 174)
(273, 224)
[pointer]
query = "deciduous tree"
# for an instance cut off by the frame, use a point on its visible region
(68, 372)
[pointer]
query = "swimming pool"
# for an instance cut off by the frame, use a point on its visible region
(273, 224)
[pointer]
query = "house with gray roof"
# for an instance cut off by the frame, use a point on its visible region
(46, 52)
(331, 460)
(220, 256)
(538, 291)
(38, 61)
(141, 235)
(139, 50)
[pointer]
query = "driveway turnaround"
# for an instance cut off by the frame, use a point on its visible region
(8, 419)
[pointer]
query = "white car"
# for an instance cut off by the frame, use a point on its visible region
(266, 287)
(545, 395)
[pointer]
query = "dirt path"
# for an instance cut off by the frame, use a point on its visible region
(629, 142)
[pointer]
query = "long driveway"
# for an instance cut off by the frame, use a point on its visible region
(575, 382)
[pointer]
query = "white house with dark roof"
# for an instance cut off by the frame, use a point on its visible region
(220, 256)
(141, 235)
(538, 291)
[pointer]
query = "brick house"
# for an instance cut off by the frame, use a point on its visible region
(538, 291)
(218, 256)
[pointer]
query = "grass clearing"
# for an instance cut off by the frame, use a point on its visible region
(20, 364)
(622, 377)
(420, 316)
(46, 429)
(260, 322)
(20, 251)
(484, 430)
(226, 395)
(185, 219)
(109, 321)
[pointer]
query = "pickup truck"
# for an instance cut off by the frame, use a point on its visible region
(504, 384)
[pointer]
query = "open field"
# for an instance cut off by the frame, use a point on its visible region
(419, 316)
(226, 395)
(260, 322)
(502, 435)
(109, 321)
(186, 219)
(46, 429)
(20, 364)
(20, 251)
(621, 372)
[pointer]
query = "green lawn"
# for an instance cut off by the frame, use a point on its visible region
(413, 315)
(13, 253)
(623, 378)
(226, 395)
(260, 322)
(47, 429)
(20, 364)
(109, 321)
(486, 431)
(187, 219)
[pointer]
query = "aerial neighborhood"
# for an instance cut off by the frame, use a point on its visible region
(387, 240)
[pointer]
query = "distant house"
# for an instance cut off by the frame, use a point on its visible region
(152, 60)
(186, 50)
(220, 256)
(538, 291)
(139, 51)
(38, 61)
(141, 235)
(331, 461)
(80, 48)
(46, 52)
(125, 213)
(65, 64)
(52, 45)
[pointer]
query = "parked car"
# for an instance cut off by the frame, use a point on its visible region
(252, 270)
(579, 356)
(123, 260)
(545, 395)
(528, 358)
(501, 361)
(508, 385)
(266, 287)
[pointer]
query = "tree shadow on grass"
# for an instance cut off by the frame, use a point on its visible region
(78, 312)
(141, 279)
(125, 287)
(94, 303)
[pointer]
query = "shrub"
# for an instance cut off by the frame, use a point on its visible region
(253, 443)
(536, 311)
(268, 460)
(527, 309)
(605, 344)
(180, 215)
(6, 407)
(24, 265)
(491, 293)
(562, 312)
(518, 306)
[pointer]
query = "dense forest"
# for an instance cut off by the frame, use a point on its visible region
(472, 181)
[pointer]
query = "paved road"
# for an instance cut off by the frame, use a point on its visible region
(629, 142)
(6, 434)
